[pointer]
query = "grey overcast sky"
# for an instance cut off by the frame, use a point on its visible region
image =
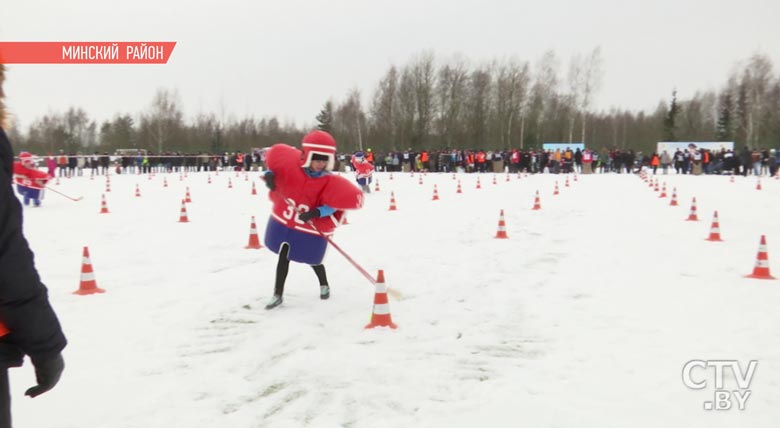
(287, 57)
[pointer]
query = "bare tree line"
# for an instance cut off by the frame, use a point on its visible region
(430, 104)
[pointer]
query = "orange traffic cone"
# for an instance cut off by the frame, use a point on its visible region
(732, 179)
(673, 203)
(108, 186)
(758, 184)
(254, 240)
(555, 191)
(209, 179)
(453, 175)
(137, 191)
(566, 183)
(376, 185)
(494, 179)
(392, 202)
(187, 197)
(165, 181)
(420, 181)
(435, 193)
(380, 315)
(103, 206)
(459, 189)
(714, 229)
(692, 216)
(230, 184)
(479, 186)
(254, 189)
(501, 234)
(507, 177)
(663, 191)
(183, 213)
(761, 270)
(87, 284)
(575, 177)
(537, 203)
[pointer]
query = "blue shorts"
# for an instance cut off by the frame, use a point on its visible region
(304, 247)
(365, 181)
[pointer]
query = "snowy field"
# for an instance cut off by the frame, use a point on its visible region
(584, 317)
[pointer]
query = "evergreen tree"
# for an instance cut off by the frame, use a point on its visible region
(723, 131)
(325, 118)
(669, 120)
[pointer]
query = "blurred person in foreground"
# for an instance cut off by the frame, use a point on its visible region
(28, 324)
(308, 204)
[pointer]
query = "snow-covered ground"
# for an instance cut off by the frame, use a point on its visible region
(584, 317)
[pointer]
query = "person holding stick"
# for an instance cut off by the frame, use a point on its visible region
(28, 324)
(308, 204)
(30, 181)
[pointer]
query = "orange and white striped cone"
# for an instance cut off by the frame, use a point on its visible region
(108, 186)
(380, 315)
(181, 177)
(507, 177)
(246, 177)
(656, 189)
(663, 191)
(732, 179)
(575, 177)
(165, 181)
(673, 203)
(566, 183)
(254, 239)
(537, 203)
(230, 184)
(392, 202)
(453, 176)
(761, 269)
(209, 182)
(87, 284)
(420, 181)
(137, 191)
(479, 185)
(183, 212)
(494, 180)
(501, 234)
(103, 206)
(692, 216)
(187, 197)
(254, 189)
(650, 183)
(376, 185)
(555, 191)
(758, 184)
(459, 190)
(435, 193)
(714, 229)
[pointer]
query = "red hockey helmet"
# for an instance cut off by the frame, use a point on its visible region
(26, 159)
(319, 144)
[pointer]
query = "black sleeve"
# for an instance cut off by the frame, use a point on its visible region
(24, 302)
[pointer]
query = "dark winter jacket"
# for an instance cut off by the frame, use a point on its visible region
(24, 302)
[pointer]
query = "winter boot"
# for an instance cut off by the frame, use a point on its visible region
(324, 292)
(275, 301)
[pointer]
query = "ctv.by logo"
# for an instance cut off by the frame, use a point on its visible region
(722, 398)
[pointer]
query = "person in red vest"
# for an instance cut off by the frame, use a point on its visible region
(28, 324)
(30, 181)
(363, 171)
(309, 202)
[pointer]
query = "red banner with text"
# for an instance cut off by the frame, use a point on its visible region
(85, 52)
